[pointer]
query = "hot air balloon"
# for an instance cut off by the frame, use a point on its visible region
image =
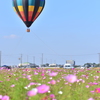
(28, 10)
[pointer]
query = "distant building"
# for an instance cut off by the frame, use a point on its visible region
(72, 62)
(24, 64)
(52, 65)
(27, 65)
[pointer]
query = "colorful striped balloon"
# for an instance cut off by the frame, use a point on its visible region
(28, 10)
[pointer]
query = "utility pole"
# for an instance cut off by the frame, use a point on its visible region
(42, 58)
(99, 58)
(21, 59)
(0, 58)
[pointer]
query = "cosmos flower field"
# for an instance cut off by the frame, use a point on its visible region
(50, 84)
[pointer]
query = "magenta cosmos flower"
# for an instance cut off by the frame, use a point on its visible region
(43, 88)
(42, 74)
(97, 90)
(52, 96)
(71, 78)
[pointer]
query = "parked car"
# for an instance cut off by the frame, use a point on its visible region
(5, 66)
(68, 66)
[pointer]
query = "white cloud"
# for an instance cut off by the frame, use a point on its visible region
(12, 36)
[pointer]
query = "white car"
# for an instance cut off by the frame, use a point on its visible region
(68, 66)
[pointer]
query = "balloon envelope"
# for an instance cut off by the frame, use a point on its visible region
(28, 10)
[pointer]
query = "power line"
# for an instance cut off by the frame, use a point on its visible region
(48, 46)
(52, 54)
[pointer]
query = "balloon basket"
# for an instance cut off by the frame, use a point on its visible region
(28, 30)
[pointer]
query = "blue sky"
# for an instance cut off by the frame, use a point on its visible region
(66, 29)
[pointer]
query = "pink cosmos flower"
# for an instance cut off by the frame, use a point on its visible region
(32, 92)
(52, 96)
(52, 82)
(91, 84)
(92, 92)
(48, 82)
(58, 81)
(35, 73)
(32, 83)
(98, 71)
(0, 96)
(42, 74)
(90, 99)
(44, 77)
(28, 76)
(96, 77)
(23, 74)
(95, 83)
(66, 83)
(71, 78)
(97, 90)
(16, 79)
(5, 97)
(87, 86)
(12, 85)
(53, 74)
(43, 88)
(8, 79)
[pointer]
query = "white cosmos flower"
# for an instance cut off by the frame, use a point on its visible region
(83, 81)
(49, 91)
(39, 84)
(50, 78)
(28, 86)
(25, 87)
(60, 92)
(35, 90)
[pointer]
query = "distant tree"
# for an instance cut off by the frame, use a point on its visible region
(90, 65)
(87, 65)
(47, 64)
(97, 65)
(77, 66)
(94, 64)
(60, 66)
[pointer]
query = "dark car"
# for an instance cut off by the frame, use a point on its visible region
(5, 66)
